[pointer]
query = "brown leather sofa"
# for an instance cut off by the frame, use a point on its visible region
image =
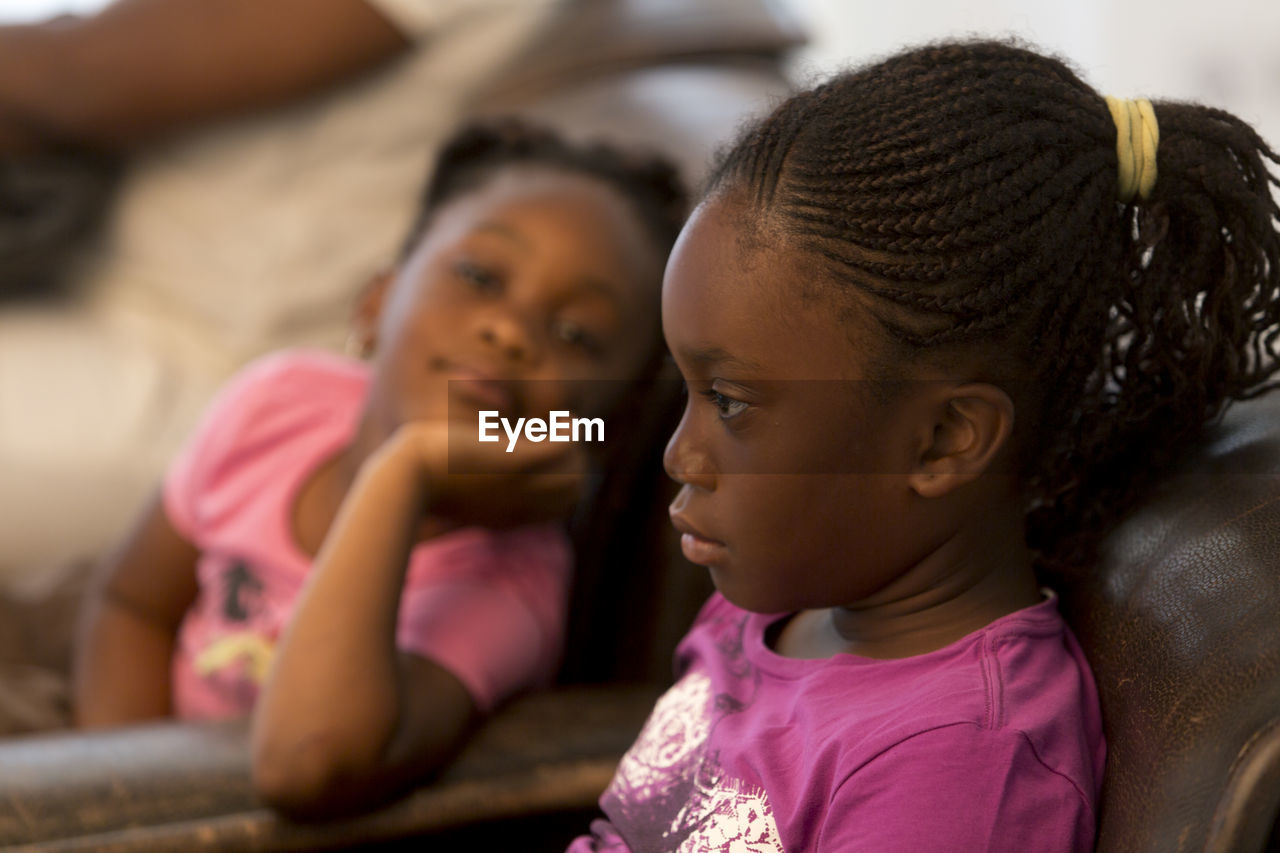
(1182, 625)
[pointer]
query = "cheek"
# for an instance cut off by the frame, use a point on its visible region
(406, 318)
(547, 393)
(803, 519)
(783, 552)
(765, 511)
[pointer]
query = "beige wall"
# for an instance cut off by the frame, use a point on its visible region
(1221, 52)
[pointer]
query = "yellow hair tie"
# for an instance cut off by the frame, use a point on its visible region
(1137, 137)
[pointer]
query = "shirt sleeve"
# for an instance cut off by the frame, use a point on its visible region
(497, 620)
(962, 788)
(199, 457)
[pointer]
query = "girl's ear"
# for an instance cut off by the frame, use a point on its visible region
(971, 425)
(363, 338)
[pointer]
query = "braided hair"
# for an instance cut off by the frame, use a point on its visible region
(649, 182)
(967, 192)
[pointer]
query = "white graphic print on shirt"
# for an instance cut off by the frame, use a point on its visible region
(669, 772)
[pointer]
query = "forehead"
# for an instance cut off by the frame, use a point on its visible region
(734, 288)
(547, 212)
(520, 189)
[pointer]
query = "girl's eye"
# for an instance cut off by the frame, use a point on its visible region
(727, 407)
(478, 277)
(576, 335)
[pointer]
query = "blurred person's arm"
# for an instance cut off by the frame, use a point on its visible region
(142, 68)
(128, 624)
(345, 718)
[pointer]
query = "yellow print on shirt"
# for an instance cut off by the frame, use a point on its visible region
(249, 650)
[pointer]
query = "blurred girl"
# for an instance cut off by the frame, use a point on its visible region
(312, 543)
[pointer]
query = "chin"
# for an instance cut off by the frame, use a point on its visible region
(753, 601)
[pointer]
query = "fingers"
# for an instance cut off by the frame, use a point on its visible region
(467, 454)
(483, 482)
(549, 459)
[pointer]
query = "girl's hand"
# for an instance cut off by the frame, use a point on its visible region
(478, 482)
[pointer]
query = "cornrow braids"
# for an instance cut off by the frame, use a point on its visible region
(649, 182)
(969, 189)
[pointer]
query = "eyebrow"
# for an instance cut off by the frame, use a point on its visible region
(718, 357)
(505, 231)
(595, 285)
(599, 286)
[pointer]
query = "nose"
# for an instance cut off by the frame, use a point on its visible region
(684, 459)
(508, 333)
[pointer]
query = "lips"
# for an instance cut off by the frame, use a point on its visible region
(481, 388)
(698, 548)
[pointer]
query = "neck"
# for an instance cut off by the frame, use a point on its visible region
(981, 572)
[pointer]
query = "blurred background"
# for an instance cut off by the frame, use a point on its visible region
(1222, 52)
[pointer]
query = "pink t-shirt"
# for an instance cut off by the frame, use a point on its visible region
(992, 743)
(487, 605)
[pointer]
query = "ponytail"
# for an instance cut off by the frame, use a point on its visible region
(968, 194)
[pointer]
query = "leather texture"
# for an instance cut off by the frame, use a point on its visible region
(179, 786)
(1181, 622)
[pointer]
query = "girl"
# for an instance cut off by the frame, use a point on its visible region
(317, 541)
(1005, 322)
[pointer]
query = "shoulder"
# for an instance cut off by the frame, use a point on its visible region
(984, 788)
(965, 749)
(286, 381)
(1017, 688)
(271, 405)
(1014, 701)
(1023, 671)
(287, 368)
(1040, 685)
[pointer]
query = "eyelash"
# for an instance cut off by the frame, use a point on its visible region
(478, 277)
(723, 403)
(571, 334)
(577, 336)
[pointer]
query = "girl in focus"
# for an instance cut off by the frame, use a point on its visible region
(320, 557)
(941, 319)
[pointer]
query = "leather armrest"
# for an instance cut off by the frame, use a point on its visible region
(183, 786)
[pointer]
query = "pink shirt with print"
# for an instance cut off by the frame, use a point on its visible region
(488, 606)
(992, 743)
